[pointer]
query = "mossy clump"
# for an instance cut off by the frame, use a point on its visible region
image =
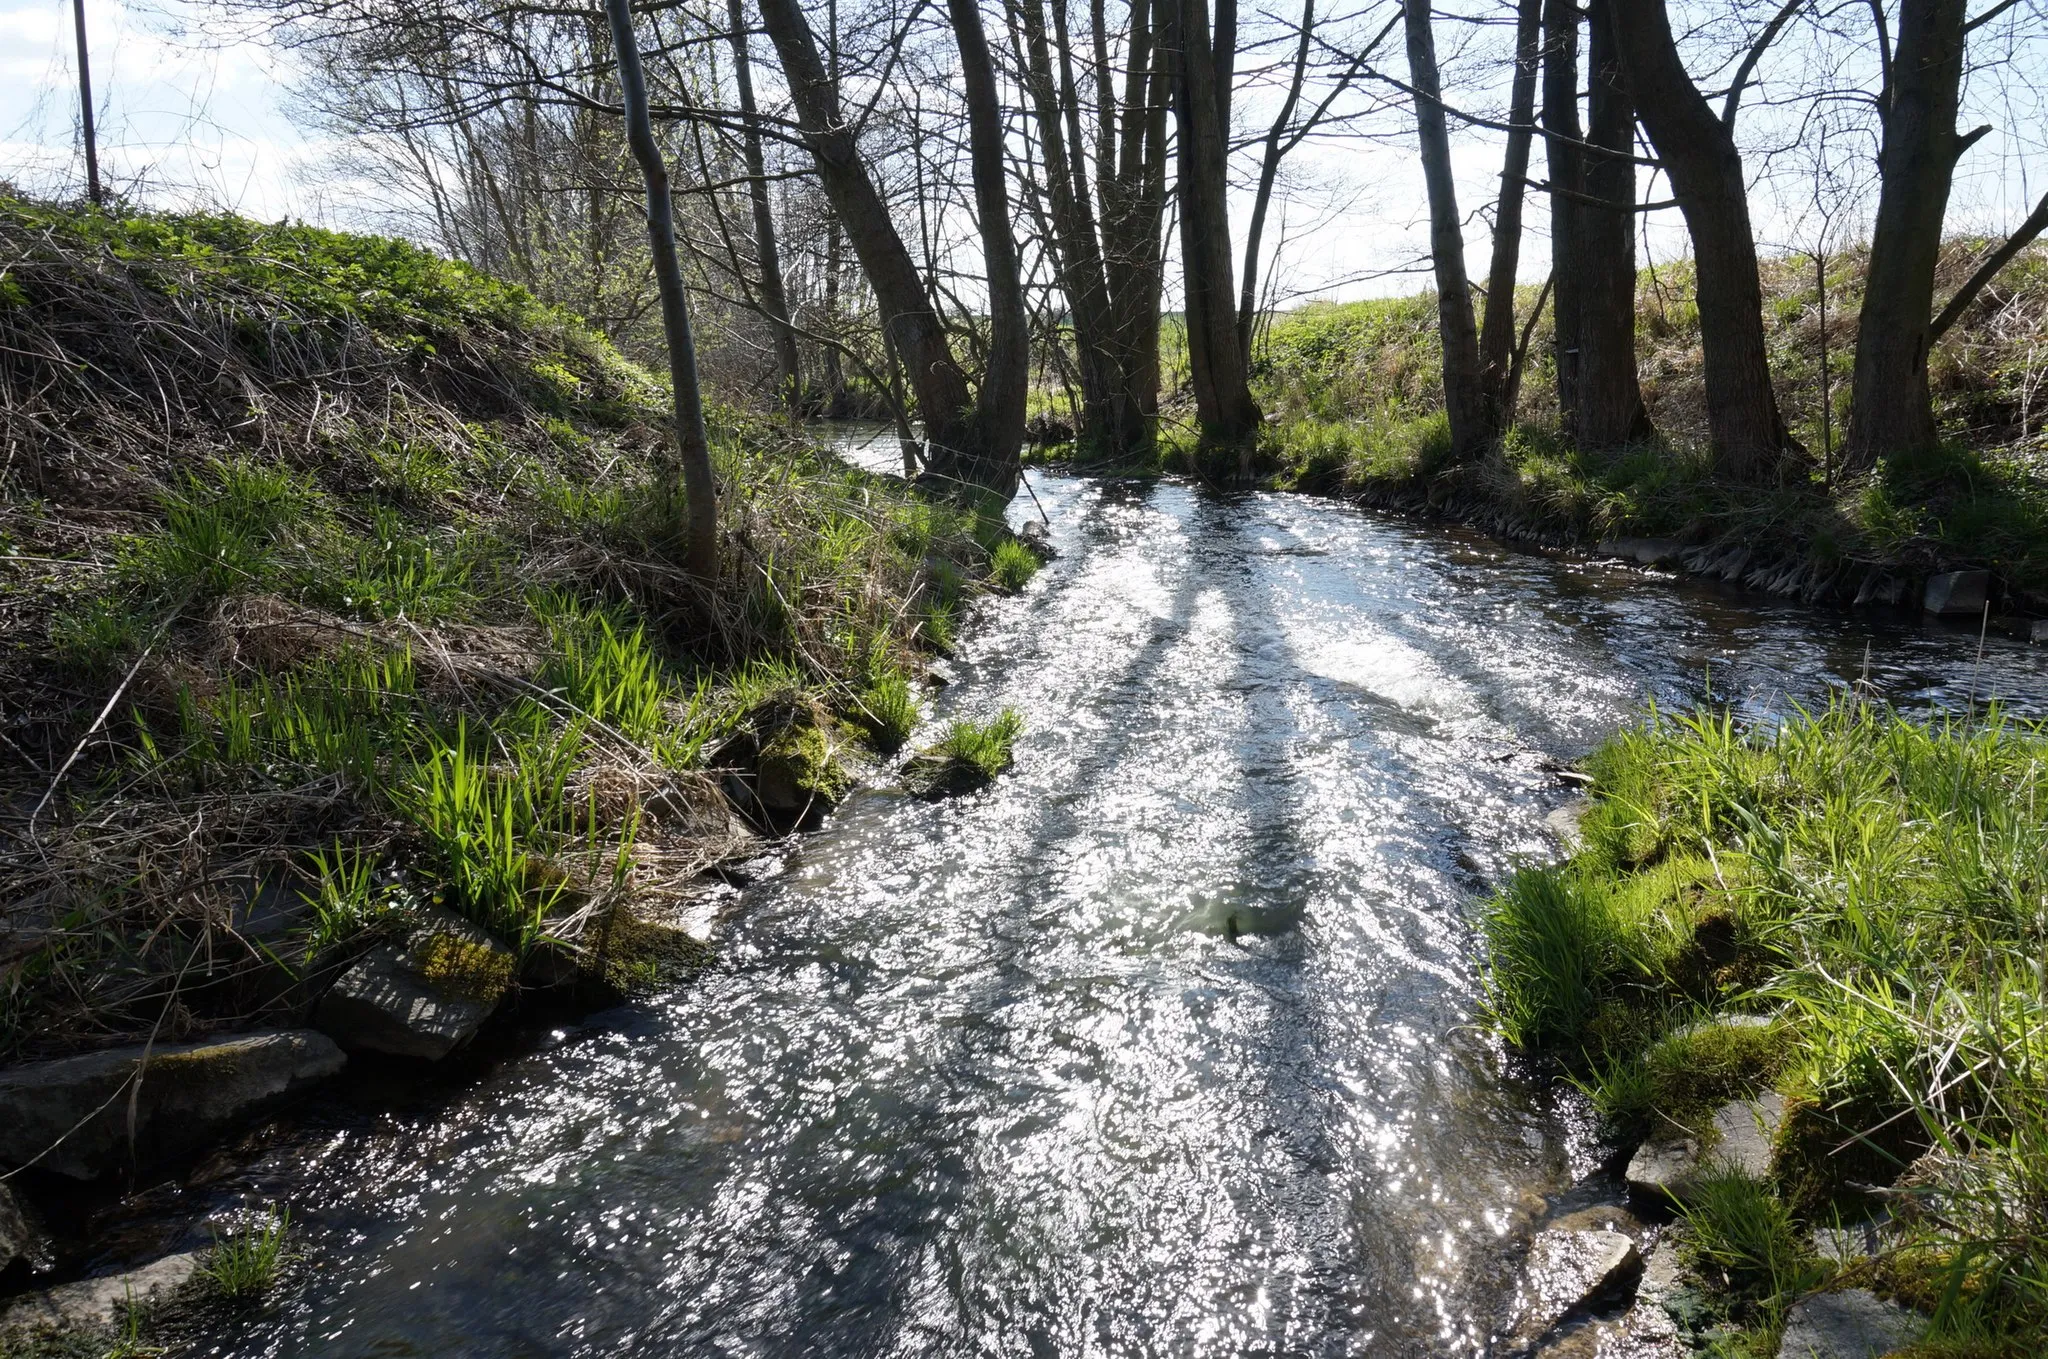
(462, 964)
(800, 765)
(640, 954)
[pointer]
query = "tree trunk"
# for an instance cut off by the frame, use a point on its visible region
(1610, 398)
(993, 459)
(700, 489)
(1133, 222)
(1497, 333)
(1077, 256)
(1567, 179)
(774, 297)
(1890, 407)
(971, 447)
(1464, 384)
(1216, 362)
(1750, 441)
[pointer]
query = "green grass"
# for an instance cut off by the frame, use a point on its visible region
(1011, 566)
(1875, 881)
(970, 755)
(888, 709)
(433, 642)
(1741, 1236)
(245, 1263)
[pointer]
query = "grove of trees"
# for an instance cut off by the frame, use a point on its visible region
(951, 215)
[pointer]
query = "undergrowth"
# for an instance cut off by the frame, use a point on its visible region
(1354, 395)
(1878, 887)
(246, 1261)
(340, 579)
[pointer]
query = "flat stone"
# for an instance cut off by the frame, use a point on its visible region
(1957, 592)
(1744, 1132)
(1662, 1274)
(1663, 1165)
(1852, 1324)
(1569, 1272)
(102, 1303)
(71, 1115)
(423, 998)
(1564, 822)
(1740, 1140)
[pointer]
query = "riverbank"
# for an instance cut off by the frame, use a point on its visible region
(1353, 397)
(1795, 968)
(356, 697)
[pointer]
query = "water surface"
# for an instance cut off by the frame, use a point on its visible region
(1163, 1046)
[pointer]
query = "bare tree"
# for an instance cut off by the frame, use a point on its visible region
(774, 297)
(1747, 431)
(700, 488)
(1608, 407)
(1218, 365)
(1107, 265)
(1562, 146)
(1497, 331)
(974, 430)
(1474, 421)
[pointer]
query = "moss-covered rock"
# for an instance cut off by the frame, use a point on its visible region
(423, 998)
(800, 770)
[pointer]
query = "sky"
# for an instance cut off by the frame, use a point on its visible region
(188, 121)
(190, 116)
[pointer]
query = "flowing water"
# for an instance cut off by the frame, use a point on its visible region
(1162, 1046)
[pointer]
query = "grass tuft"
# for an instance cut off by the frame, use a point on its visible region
(245, 1263)
(970, 756)
(1011, 566)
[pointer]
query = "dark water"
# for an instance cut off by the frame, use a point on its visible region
(993, 1076)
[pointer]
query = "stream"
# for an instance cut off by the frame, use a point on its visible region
(1162, 1046)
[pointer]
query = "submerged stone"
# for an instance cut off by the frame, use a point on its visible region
(1957, 592)
(423, 998)
(1569, 1273)
(1852, 1324)
(17, 1238)
(1648, 551)
(71, 1115)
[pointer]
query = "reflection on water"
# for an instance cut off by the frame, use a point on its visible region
(1161, 1047)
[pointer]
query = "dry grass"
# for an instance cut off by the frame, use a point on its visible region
(313, 548)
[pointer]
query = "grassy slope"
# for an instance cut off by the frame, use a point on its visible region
(369, 560)
(1876, 886)
(1355, 391)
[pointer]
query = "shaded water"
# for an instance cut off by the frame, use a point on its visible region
(1159, 1047)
